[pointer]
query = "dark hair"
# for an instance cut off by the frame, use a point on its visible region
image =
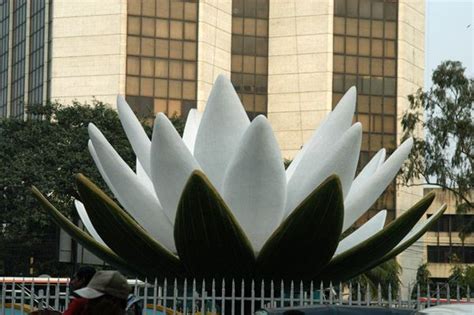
(85, 273)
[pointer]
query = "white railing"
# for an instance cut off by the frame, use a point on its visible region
(22, 295)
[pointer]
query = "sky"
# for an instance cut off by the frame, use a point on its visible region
(448, 34)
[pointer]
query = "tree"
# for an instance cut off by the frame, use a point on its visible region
(46, 151)
(444, 157)
(387, 275)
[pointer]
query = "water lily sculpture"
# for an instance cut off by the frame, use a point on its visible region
(218, 202)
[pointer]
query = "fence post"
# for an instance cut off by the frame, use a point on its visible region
(292, 292)
(400, 296)
(203, 296)
(22, 296)
(193, 297)
(252, 297)
(175, 295)
(223, 296)
(350, 293)
(457, 293)
(428, 293)
(213, 293)
(418, 296)
(389, 294)
(242, 297)
(301, 293)
(321, 293)
(272, 293)
(331, 297)
(379, 294)
(32, 295)
(437, 293)
(367, 294)
(341, 302)
(359, 294)
(468, 293)
(282, 294)
(448, 293)
(155, 295)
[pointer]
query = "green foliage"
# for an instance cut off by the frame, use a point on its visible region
(444, 157)
(46, 151)
(387, 275)
(85, 239)
(423, 281)
(462, 277)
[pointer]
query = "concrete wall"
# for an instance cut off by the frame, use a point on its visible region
(410, 68)
(88, 50)
(214, 45)
(300, 69)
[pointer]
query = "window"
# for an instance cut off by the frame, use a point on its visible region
(365, 34)
(249, 66)
(162, 53)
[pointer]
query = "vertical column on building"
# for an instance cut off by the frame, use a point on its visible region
(250, 54)
(46, 50)
(10, 57)
(299, 70)
(214, 46)
(27, 57)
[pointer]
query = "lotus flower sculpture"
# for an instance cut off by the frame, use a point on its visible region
(218, 202)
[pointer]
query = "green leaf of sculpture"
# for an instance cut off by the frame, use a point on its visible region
(398, 249)
(82, 237)
(209, 240)
(305, 242)
(124, 236)
(356, 260)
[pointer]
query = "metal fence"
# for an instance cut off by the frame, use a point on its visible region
(22, 295)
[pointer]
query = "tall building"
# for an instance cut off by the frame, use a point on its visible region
(290, 60)
(443, 245)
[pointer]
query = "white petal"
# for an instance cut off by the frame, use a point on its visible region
(340, 159)
(369, 169)
(143, 176)
(135, 133)
(368, 229)
(100, 168)
(330, 131)
(418, 227)
(255, 183)
(134, 196)
(223, 123)
(190, 129)
(362, 196)
(81, 211)
(172, 164)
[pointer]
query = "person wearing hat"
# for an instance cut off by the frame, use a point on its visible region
(81, 279)
(106, 293)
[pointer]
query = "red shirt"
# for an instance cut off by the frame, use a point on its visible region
(76, 307)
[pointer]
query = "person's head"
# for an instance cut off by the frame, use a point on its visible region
(82, 277)
(106, 288)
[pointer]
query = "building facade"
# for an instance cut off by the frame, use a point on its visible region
(443, 245)
(290, 60)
